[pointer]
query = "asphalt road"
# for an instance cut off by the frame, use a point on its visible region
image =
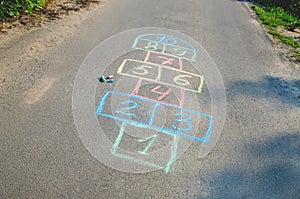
(256, 156)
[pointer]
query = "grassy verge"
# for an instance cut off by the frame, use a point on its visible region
(13, 8)
(277, 20)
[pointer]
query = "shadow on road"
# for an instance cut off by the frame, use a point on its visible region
(244, 0)
(286, 91)
(273, 171)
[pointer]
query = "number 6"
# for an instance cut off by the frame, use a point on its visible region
(182, 82)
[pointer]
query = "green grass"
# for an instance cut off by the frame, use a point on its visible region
(277, 17)
(13, 8)
(297, 54)
(284, 39)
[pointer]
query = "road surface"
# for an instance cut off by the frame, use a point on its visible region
(42, 156)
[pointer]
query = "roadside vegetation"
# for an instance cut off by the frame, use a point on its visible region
(281, 19)
(32, 13)
(13, 8)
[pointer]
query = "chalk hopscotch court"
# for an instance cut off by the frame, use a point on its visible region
(185, 122)
(166, 95)
(162, 70)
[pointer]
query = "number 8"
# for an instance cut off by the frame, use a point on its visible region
(151, 46)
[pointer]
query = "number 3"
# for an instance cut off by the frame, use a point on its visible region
(186, 120)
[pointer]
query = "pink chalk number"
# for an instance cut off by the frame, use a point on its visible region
(162, 94)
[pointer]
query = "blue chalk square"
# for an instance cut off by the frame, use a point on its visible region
(125, 108)
(165, 118)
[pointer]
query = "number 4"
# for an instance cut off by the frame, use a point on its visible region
(162, 95)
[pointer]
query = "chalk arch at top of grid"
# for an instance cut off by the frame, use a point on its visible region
(166, 44)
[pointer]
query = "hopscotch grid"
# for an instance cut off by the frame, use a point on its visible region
(166, 36)
(164, 83)
(204, 139)
(166, 168)
(137, 123)
(116, 146)
(156, 103)
(166, 53)
(159, 65)
(137, 88)
(150, 52)
(169, 55)
(157, 79)
(163, 43)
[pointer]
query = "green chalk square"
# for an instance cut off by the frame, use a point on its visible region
(172, 156)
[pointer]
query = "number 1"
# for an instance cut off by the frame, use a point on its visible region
(152, 139)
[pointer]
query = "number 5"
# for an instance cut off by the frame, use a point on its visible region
(141, 70)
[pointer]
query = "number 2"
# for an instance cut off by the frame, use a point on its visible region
(122, 110)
